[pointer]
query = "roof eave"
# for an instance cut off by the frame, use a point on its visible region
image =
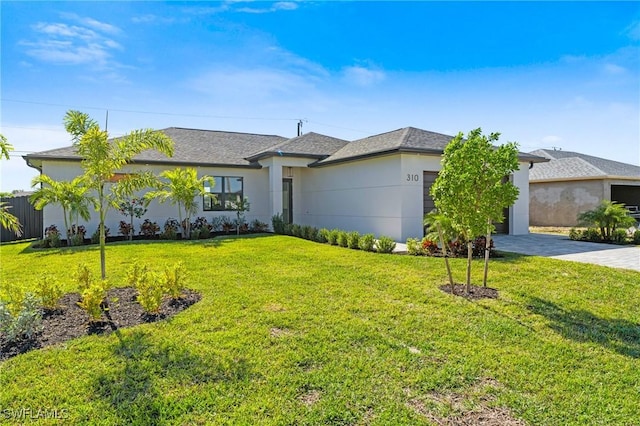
(269, 154)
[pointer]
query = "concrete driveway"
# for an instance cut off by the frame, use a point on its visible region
(561, 247)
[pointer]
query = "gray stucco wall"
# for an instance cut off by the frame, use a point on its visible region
(559, 203)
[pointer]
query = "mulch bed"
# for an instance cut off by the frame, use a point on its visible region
(475, 293)
(70, 321)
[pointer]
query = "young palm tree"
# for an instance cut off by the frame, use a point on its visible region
(182, 187)
(103, 158)
(608, 216)
(71, 195)
(7, 220)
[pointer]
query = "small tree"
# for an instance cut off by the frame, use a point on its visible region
(133, 207)
(241, 205)
(607, 216)
(182, 187)
(439, 228)
(471, 189)
(103, 158)
(7, 220)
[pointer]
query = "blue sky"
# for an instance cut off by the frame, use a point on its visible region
(544, 74)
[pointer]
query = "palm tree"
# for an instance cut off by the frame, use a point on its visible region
(182, 187)
(608, 216)
(71, 195)
(7, 220)
(439, 226)
(103, 158)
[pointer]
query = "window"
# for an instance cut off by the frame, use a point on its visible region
(226, 190)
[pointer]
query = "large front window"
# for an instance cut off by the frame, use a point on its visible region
(226, 190)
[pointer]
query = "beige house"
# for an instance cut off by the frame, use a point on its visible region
(572, 183)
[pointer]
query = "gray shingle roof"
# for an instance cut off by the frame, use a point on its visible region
(311, 144)
(573, 165)
(408, 139)
(197, 147)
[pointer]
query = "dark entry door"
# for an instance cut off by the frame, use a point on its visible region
(287, 200)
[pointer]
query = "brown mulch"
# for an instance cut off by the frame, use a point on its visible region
(475, 293)
(70, 321)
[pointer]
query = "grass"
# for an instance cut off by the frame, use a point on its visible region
(294, 332)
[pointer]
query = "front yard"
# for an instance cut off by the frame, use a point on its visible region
(294, 332)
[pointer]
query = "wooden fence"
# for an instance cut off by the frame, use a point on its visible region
(29, 217)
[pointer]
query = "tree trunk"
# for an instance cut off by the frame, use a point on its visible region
(446, 258)
(66, 226)
(487, 248)
(469, 257)
(131, 226)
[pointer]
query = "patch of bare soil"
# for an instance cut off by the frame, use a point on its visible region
(475, 293)
(70, 321)
(471, 408)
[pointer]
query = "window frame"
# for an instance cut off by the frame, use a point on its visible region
(224, 196)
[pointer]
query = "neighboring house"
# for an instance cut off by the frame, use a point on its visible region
(378, 184)
(572, 183)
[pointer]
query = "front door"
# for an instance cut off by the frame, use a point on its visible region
(287, 200)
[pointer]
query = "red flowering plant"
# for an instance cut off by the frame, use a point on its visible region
(429, 246)
(133, 207)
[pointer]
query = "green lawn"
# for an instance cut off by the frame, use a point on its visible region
(294, 332)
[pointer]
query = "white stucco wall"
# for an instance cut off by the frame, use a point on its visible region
(519, 212)
(256, 189)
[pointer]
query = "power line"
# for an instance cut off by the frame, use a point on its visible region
(173, 114)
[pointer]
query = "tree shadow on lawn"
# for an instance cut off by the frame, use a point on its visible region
(132, 388)
(618, 335)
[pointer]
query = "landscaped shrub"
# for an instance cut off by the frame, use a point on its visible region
(76, 234)
(93, 298)
(619, 236)
(277, 223)
(257, 226)
(636, 237)
(150, 291)
(95, 237)
(332, 237)
(591, 234)
(51, 238)
(308, 232)
(353, 239)
(367, 242)
(414, 247)
(227, 224)
(93, 293)
(575, 234)
(49, 291)
(323, 235)
(125, 228)
(343, 239)
(385, 244)
(216, 224)
(175, 279)
(296, 230)
(202, 227)
(149, 229)
(429, 247)
(170, 230)
(480, 246)
(24, 322)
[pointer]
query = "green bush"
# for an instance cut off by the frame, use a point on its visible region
(414, 247)
(591, 234)
(174, 279)
(309, 233)
(353, 240)
(48, 291)
(323, 235)
(84, 277)
(150, 289)
(277, 223)
(296, 230)
(26, 322)
(343, 239)
(367, 242)
(385, 244)
(332, 237)
(575, 234)
(619, 236)
(636, 237)
(93, 298)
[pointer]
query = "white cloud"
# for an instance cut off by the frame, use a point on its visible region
(633, 31)
(614, 69)
(86, 42)
(362, 76)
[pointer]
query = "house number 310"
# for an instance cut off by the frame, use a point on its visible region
(413, 178)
